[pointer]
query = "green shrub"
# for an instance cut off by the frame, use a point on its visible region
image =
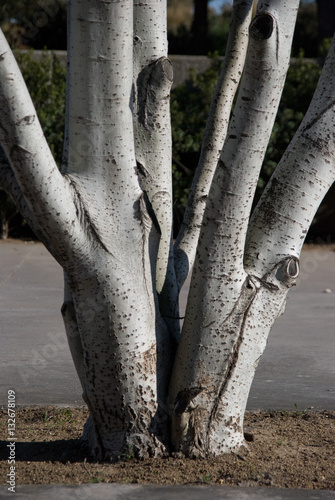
(45, 79)
(189, 109)
(190, 103)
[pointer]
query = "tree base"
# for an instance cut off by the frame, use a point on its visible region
(135, 443)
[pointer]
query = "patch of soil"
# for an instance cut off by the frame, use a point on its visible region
(286, 449)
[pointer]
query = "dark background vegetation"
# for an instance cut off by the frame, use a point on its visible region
(194, 27)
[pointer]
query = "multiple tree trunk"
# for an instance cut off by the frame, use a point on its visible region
(107, 219)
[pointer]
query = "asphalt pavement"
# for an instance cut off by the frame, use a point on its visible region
(297, 369)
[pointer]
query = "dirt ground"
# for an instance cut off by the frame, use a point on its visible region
(286, 449)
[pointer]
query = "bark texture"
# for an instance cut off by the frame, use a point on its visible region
(99, 224)
(214, 138)
(229, 313)
(107, 219)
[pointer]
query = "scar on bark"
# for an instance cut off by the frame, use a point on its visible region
(184, 398)
(238, 316)
(261, 27)
(286, 271)
(155, 78)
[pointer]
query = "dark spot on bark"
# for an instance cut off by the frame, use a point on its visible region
(141, 170)
(288, 271)
(29, 119)
(151, 212)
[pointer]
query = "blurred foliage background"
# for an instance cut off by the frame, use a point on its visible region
(42, 24)
(189, 108)
(194, 26)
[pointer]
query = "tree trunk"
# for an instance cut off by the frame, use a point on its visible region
(97, 222)
(116, 332)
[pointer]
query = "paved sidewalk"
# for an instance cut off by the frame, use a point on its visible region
(297, 367)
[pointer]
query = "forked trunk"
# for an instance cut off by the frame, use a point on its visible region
(107, 219)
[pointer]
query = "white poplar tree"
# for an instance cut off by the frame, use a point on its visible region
(107, 219)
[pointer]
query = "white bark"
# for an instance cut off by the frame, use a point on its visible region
(99, 155)
(214, 137)
(223, 301)
(48, 194)
(152, 82)
(305, 173)
(110, 310)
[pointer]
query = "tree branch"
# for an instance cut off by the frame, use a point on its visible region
(48, 197)
(228, 209)
(218, 273)
(286, 209)
(214, 137)
(214, 326)
(152, 83)
(99, 141)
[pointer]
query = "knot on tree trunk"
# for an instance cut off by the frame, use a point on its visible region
(153, 86)
(288, 271)
(281, 276)
(261, 27)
